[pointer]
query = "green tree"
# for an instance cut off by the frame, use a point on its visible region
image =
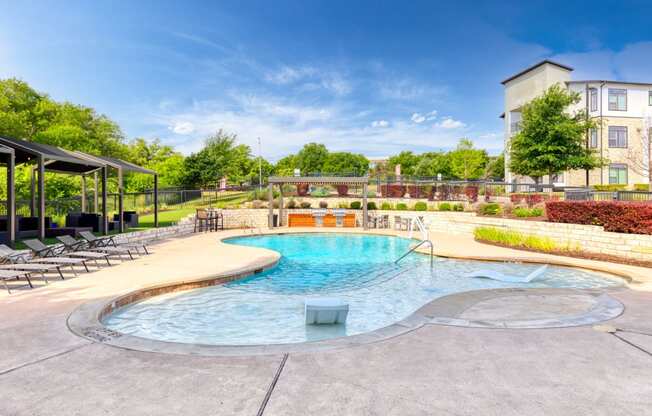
(407, 160)
(345, 163)
(551, 139)
(311, 158)
(466, 161)
(286, 165)
(495, 168)
(432, 164)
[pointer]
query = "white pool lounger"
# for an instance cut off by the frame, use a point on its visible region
(492, 274)
(326, 311)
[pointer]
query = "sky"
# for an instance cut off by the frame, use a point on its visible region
(371, 77)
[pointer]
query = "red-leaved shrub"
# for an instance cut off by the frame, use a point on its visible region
(471, 193)
(531, 198)
(415, 191)
(342, 190)
(392, 190)
(615, 216)
(302, 189)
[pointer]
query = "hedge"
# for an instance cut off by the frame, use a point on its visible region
(615, 216)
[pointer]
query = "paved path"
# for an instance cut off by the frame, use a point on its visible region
(46, 370)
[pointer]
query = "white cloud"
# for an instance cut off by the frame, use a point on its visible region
(182, 127)
(380, 123)
(287, 75)
(420, 118)
(309, 78)
(450, 123)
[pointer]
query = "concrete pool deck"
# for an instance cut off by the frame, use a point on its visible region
(45, 369)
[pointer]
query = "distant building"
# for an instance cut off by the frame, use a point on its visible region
(623, 111)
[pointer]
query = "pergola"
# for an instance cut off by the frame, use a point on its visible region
(58, 160)
(313, 180)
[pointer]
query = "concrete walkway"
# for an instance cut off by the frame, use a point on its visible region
(46, 370)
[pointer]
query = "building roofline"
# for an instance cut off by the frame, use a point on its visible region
(545, 61)
(596, 81)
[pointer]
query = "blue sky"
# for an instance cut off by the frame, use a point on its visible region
(372, 77)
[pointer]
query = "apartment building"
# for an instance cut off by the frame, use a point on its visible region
(622, 110)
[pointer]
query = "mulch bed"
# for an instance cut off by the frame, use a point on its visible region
(578, 254)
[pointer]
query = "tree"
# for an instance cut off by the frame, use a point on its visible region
(311, 158)
(345, 163)
(552, 140)
(495, 168)
(407, 160)
(466, 161)
(433, 164)
(286, 165)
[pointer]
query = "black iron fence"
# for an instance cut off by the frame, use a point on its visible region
(588, 194)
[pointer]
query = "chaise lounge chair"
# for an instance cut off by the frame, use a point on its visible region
(12, 275)
(77, 248)
(109, 241)
(17, 260)
(492, 274)
(51, 256)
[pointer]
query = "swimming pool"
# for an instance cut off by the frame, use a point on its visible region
(267, 308)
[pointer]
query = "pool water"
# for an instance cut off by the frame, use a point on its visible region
(267, 308)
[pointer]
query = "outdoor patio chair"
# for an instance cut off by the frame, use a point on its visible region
(76, 248)
(6, 275)
(110, 241)
(53, 255)
(495, 275)
(203, 220)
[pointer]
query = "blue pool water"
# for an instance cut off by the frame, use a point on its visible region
(267, 308)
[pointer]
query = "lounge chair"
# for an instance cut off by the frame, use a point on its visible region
(492, 274)
(76, 248)
(53, 255)
(12, 275)
(18, 260)
(109, 241)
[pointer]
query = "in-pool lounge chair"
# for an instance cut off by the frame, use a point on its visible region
(492, 274)
(77, 248)
(109, 241)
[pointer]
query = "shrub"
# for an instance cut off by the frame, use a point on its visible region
(615, 216)
(260, 195)
(371, 205)
(609, 188)
(291, 204)
(371, 194)
(471, 193)
(305, 205)
(420, 206)
(342, 190)
(302, 189)
(532, 198)
(523, 212)
(356, 205)
(415, 191)
(489, 209)
(386, 206)
(515, 239)
(392, 190)
(323, 204)
(320, 192)
(458, 207)
(445, 206)
(641, 187)
(401, 207)
(342, 205)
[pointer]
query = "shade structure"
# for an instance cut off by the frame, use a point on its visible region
(314, 180)
(55, 159)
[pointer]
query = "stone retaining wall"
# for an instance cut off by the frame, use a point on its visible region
(586, 237)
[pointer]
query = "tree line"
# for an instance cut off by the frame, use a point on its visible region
(34, 116)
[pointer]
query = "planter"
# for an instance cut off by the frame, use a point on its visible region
(342, 190)
(302, 189)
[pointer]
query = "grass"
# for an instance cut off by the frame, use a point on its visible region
(517, 240)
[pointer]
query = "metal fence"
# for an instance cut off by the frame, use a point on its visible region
(588, 194)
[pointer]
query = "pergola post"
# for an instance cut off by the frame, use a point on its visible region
(270, 204)
(364, 206)
(121, 221)
(155, 201)
(41, 198)
(280, 205)
(11, 199)
(83, 193)
(32, 205)
(105, 211)
(95, 195)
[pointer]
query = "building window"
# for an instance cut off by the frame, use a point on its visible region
(649, 97)
(618, 174)
(617, 99)
(593, 96)
(515, 127)
(617, 136)
(593, 138)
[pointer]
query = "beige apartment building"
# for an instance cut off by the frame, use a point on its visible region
(622, 110)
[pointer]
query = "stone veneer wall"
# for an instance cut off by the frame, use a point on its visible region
(586, 237)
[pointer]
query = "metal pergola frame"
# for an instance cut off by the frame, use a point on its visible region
(313, 180)
(58, 160)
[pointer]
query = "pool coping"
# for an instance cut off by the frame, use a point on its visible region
(86, 320)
